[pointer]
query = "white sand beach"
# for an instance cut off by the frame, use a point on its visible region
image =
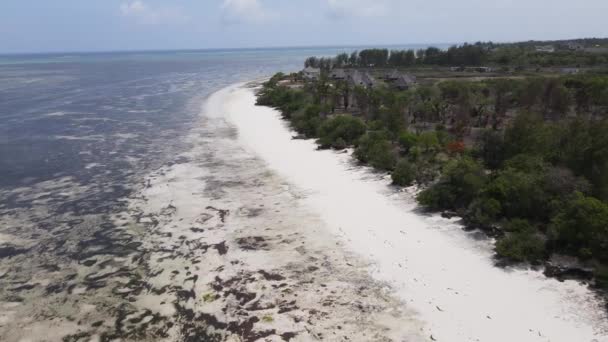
(432, 265)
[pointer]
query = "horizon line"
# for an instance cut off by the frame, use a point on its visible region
(101, 51)
(276, 47)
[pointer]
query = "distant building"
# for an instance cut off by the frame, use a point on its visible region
(545, 48)
(575, 46)
(338, 74)
(311, 74)
(400, 80)
(404, 82)
(570, 71)
(392, 75)
(362, 79)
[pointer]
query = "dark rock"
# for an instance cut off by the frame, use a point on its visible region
(271, 276)
(10, 251)
(562, 273)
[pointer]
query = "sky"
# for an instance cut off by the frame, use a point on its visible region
(112, 25)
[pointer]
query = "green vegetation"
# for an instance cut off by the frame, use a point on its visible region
(581, 228)
(525, 159)
(341, 131)
(404, 174)
(460, 183)
(374, 148)
(522, 242)
(517, 55)
(267, 319)
(210, 297)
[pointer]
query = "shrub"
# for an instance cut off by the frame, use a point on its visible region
(581, 228)
(407, 140)
(521, 194)
(518, 225)
(460, 183)
(376, 150)
(307, 121)
(601, 276)
(483, 212)
(526, 163)
(341, 131)
(426, 171)
(490, 147)
(428, 141)
(404, 173)
(456, 147)
(524, 244)
(443, 137)
(339, 144)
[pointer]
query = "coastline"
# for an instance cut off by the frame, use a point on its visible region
(449, 277)
(248, 235)
(236, 256)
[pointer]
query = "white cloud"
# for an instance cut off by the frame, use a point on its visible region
(144, 14)
(246, 11)
(133, 8)
(358, 8)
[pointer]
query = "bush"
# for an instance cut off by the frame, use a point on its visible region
(375, 149)
(443, 137)
(460, 183)
(407, 140)
(428, 141)
(522, 244)
(601, 276)
(456, 147)
(581, 228)
(521, 194)
(287, 100)
(341, 131)
(307, 121)
(483, 212)
(426, 171)
(526, 163)
(490, 147)
(518, 226)
(339, 144)
(404, 173)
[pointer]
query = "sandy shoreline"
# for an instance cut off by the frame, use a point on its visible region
(440, 271)
(252, 262)
(249, 235)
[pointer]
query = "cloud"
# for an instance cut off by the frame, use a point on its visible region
(358, 8)
(245, 11)
(144, 14)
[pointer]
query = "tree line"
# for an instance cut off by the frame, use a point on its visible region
(477, 54)
(466, 54)
(536, 176)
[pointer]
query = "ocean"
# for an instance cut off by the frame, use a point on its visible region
(144, 197)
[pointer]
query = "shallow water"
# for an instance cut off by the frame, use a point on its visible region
(141, 203)
(81, 138)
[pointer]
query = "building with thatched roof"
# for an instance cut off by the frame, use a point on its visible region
(404, 82)
(338, 74)
(392, 75)
(311, 74)
(362, 79)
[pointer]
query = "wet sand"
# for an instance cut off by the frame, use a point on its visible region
(249, 235)
(213, 246)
